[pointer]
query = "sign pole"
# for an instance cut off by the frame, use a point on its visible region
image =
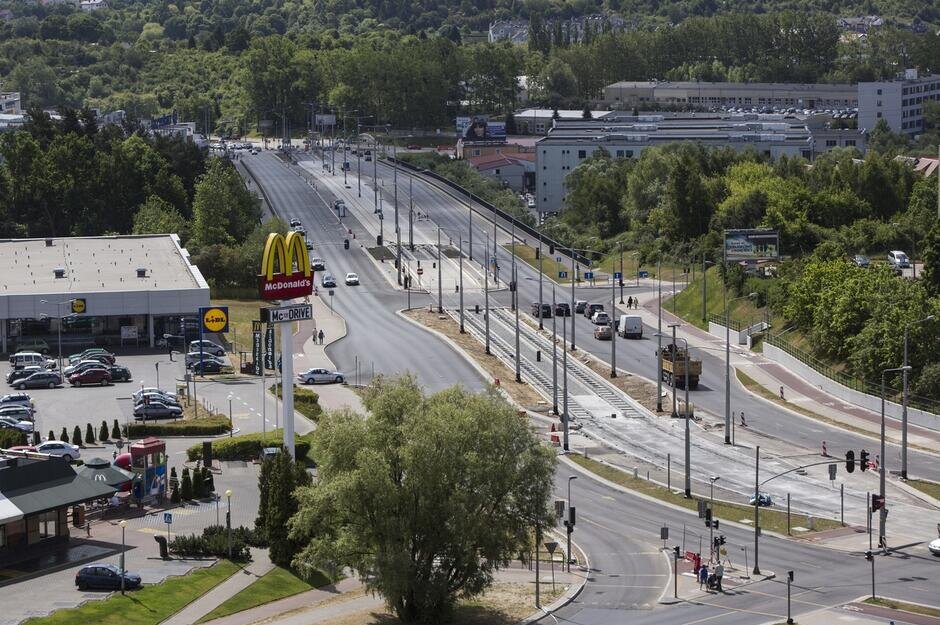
(287, 390)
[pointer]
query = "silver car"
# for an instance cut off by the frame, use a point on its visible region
(153, 390)
(194, 357)
(320, 376)
(15, 424)
(20, 413)
(16, 399)
(61, 449)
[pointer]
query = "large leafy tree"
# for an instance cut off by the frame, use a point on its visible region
(426, 497)
(224, 211)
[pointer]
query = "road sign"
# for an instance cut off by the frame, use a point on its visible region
(214, 318)
(551, 547)
(664, 533)
(617, 275)
(167, 517)
(420, 271)
(644, 274)
(832, 472)
(562, 274)
(588, 275)
(284, 314)
(558, 259)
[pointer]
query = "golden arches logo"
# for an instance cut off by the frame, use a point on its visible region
(285, 252)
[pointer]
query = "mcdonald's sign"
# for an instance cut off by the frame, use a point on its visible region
(285, 267)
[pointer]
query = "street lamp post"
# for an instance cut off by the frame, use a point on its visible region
(711, 506)
(613, 324)
(569, 528)
(728, 363)
(123, 525)
(904, 400)
(228, 521)
(486, 293)
(883, 461)
(515, 297)
(554, 355)
(460, 286)
(659, 335)
(440, 292)
(621, 272)
(756, 509)
(705, 264)
(231, 424)
(156, 366)
(564, 377)
(541, 322)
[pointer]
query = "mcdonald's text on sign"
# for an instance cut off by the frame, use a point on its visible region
(285, 267)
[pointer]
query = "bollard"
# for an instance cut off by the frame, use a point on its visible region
(636, 473)
(477, 309)
(538, 355)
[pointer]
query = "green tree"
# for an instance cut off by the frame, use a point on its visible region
(103, 432)
(186, 488)
(51, 436)
(284, 476)
(930, 252)
(77, 437)
(64, 436)
(89, 434)
(174, 486)
(157, 216)
(429, 495)
(199, 485)
(115, 431)
(224, 211)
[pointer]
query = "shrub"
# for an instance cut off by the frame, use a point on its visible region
(51, 436)
(210, 484)
(103, 432)
(115, 431)
(89, 435)
(214, 542)
(199, 486)
(199, 427)
(174, 486)
(246, 447)
(306, 402)
(11, 438)
(186, 490)
(64, 436)
(77, 436)
(36, 438)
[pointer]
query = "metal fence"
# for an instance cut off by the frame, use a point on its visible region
(891, 393)
(737, 326)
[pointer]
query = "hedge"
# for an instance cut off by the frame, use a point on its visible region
(11, 438)
(214, 542)
(210, 426)
(247, 447)
(306, 402)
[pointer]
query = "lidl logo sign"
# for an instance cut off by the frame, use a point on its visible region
(78, 305)
(214, 319)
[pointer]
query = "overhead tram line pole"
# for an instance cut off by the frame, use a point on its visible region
(486, 296)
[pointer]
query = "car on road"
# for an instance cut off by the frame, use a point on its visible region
(579, 306)
(546, 310)
(152, 390)
(20, 413)
(763, 500)
(25, 372)
(157, 410)
(295, 223)
(328, 281)
(352, 279)
(120, 374)
(39, 379)
(934, 546)
(603, 333)
(67, 451)
(600, 318)
(898, 259)
(861, 260)
(320, 376)
(193, 357)
(562, 309)
(16, 399)
(590, 309)
(630, 327)
(208, 366)
(90, 376)
(317, 264)
(105, 576)
(207, 347)
(413, 146)
(11, 423)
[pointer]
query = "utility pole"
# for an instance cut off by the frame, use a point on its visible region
(460, 286)
(375, 173)
(621, 272)
(440, 292)
(470, 209)
(411, 215)
(564, 378)
(397, 227)
(554, 356)
(541, 323)
(572, 300)
(613, 327)
(756, 509)
(515, 296)
(486, 296)
(659, 339)
(883, 462)
(358, 164)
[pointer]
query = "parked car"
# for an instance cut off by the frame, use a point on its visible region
(603, 333)
(119, 373)
(320, 376)
(898, 259)
(105, 576)
(861, 260)
(562, 309)
(25, 372)
(590, 309)
(16, 399)
(208, 366)
(934, 546)
(40, 379)
(83, 366)
(157, 410)
(19, 360)
(20, 413)
(207, 347)
(193, 357)
(136, 395)
(763, 500)
(579, 306)
(66, 451)
(317, 264)
(156, 397)
(328, 281)
(90, 376)
(92, 351)
(12, 423)
(546, 310)
(32, 345)
(413, 146)
(352, 279)
(600, 318)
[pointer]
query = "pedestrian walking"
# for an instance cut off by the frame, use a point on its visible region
(320, 336)
(719, 573)
(629, 302)
(702, 575)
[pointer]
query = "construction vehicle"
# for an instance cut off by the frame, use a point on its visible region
(674, 363)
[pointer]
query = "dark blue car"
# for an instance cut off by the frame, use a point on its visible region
(104, 577)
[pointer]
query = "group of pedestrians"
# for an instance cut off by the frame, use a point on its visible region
(711, 580)
(633, 302)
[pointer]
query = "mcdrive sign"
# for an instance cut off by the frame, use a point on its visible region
(285, 267)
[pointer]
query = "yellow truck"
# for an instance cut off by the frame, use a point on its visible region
(674, 363)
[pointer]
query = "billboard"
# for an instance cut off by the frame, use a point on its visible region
(480, 128)
(162, 122)
(325, 119)
(292, 276)
(752, 245)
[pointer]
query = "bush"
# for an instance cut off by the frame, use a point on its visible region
(89, 435)
(103, 432)
(174, 486)
(181, 427)
(36, 438)
(186, 490)
(77, 436)
(306, 402)
(11, 438)
(247, 447)
(214, 542)
(115, 431)
(199, 486)
(51, 436)
(64, 436)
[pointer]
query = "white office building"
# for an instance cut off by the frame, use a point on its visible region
(899, 102)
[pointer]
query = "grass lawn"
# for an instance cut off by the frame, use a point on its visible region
(770, 520)
(900, 605)
(550, 266)
(147, 606)
(931, 488)
(273, 585)
(688, 303)
(306, 402)
(240, 315)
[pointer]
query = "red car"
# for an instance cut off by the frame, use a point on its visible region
(91, 376)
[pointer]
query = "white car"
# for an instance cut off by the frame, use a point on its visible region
(58, 448)
(156, 397)
(207, 347)
(13, 423)
(155, 391)
(320, 376)
(20, 413)
(352, 279)
(600, 318)
(934, 546)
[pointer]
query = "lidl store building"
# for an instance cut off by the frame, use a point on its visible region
(108, 291)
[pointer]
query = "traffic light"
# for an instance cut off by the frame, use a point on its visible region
(551, 249)
(716, 542)
(571, 515)
(722, 540)
(676, 549)
(877, 502)
(345, 244)
(850, 461)
(790, 575)
(708, 517)
(537, 253)
(863, 460)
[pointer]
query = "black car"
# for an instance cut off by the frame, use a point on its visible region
(104, 577)
(207, 366)
(562, 309)
(25, 372)
(120, 374)
(157, 410)
(546, 310)
(40, 379)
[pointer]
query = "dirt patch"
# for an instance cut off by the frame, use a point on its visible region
(523, 393)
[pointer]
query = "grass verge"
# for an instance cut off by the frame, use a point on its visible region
(277, 583)
(549, 265)
(687, 304)
(147, 606)
(240, 314)
(900, 605)
(930, 488)
(306, 402)
(770, 520)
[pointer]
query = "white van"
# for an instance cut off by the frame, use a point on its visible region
(25, 359)
(630, 327)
